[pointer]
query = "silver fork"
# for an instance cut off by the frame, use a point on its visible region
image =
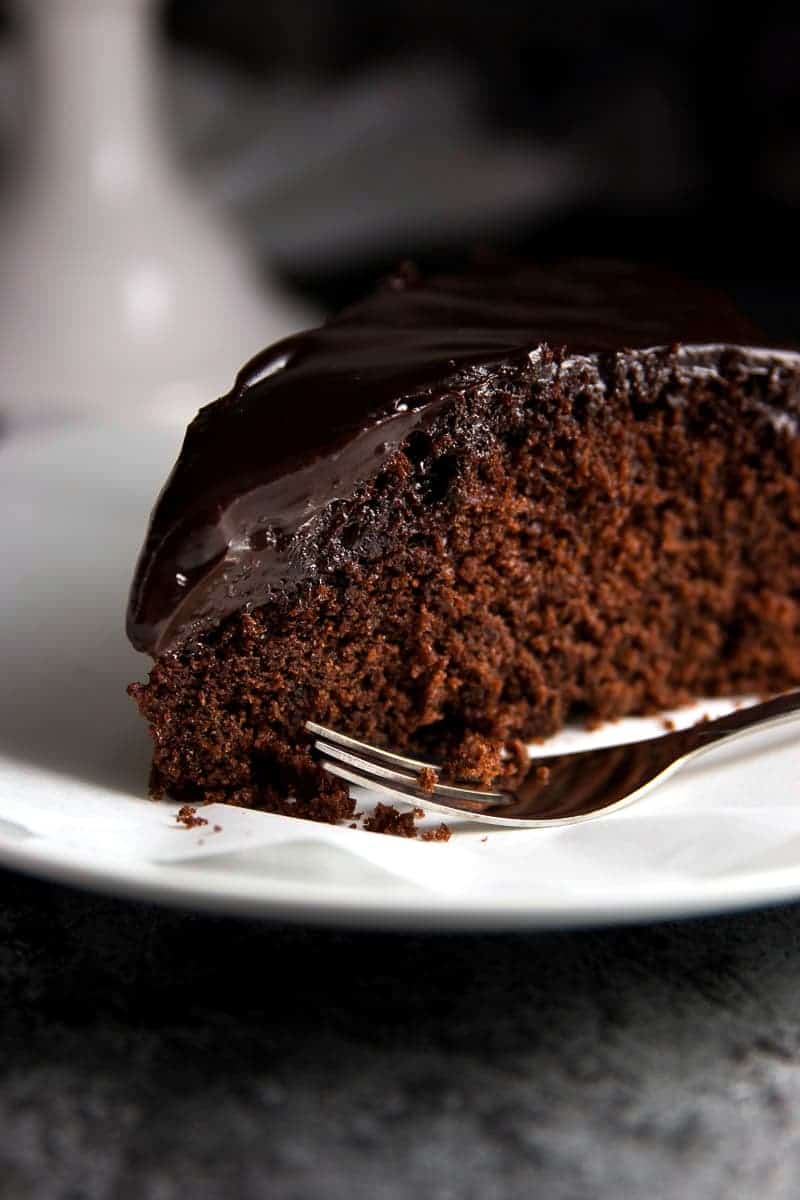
(559, 790)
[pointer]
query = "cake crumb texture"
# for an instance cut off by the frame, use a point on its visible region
(388, 819)
(187, 816)
(427, 778)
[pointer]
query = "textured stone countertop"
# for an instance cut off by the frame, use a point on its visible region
(149, 1054)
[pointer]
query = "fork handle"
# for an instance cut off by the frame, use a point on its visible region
(752, 717)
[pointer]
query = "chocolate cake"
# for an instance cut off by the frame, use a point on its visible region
(461, 512)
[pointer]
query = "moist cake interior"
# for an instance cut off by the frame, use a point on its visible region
(565, 535)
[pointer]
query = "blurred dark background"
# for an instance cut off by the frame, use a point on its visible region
(684, 118)
(666, 131)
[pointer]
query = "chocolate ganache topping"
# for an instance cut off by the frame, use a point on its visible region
(320, 412)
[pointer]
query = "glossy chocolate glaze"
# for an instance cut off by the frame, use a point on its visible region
(319, 413)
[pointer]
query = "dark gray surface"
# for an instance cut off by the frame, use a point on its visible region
(149, 1054)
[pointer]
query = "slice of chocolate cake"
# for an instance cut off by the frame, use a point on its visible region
(461, 512)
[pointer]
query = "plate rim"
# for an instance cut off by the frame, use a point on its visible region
(171, 886)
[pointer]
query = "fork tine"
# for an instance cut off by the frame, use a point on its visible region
(370, 752)
(368, 758)
(400, 791)
(362, 764)
(403, 791)
(443, 790)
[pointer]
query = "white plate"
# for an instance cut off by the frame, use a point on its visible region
(724, 834)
